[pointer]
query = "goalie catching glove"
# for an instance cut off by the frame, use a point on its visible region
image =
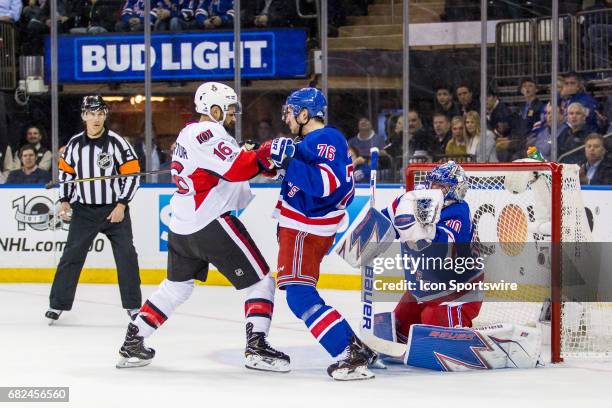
(416, 217)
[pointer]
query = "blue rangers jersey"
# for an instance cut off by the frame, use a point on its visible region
(452, 246)
(318, 184)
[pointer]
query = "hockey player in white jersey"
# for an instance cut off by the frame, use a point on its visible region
(211, 173)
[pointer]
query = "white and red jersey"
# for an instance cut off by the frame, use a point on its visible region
(210, 171)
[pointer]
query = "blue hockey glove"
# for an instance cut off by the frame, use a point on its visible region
(282, 151)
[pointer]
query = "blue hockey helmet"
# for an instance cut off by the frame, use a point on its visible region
(310, 99)
(452, 175)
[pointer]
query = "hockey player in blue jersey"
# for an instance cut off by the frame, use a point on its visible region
(317, 187)
(434, 223)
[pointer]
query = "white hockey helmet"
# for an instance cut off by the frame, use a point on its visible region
(210, 94)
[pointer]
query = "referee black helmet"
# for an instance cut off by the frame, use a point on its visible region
(92, 103)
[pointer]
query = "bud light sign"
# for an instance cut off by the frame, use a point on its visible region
(181, 56)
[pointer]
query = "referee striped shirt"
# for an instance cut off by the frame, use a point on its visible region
(107, 155)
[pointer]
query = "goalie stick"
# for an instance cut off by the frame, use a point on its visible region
(379, 345)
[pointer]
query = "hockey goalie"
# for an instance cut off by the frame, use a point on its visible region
(433, 317)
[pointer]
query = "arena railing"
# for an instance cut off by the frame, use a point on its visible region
(593, 40)
(543, 45)
(514, 50)
(8, 66)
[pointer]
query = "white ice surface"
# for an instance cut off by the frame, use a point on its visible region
(199, 361)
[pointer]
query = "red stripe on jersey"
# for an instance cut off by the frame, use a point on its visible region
(203, 183)
(331, 177)
(247, 243)
(152, 315)
(258, 307)
(244, 167)
(395, 204)
(329, 320)
(312, 221)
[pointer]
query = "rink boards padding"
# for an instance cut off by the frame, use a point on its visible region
(32, 238)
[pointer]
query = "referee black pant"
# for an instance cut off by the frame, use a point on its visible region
(87, 221)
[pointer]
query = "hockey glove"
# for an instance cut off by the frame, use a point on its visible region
(249, 144)
(282, 151)
(263, 156)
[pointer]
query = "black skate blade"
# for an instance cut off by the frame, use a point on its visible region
(352, 374)
(132, 362)
(253, 362)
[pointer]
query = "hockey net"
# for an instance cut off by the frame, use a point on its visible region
(531, 226)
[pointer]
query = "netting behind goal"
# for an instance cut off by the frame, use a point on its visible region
(531, 228)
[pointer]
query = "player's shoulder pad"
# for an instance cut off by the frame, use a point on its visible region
(205, 132)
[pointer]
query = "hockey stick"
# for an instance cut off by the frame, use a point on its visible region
(379, 345)
(53, 183)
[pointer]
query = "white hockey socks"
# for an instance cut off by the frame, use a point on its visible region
(161, 304)
(259, 304)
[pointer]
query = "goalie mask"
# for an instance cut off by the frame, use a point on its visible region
(452, 176)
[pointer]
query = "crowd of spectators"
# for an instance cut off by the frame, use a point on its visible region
(455, 131)
(32, 17)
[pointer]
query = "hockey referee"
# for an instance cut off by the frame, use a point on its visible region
(96, 206)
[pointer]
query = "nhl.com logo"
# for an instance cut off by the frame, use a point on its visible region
(39, 212)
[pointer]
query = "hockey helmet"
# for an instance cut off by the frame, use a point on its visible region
(452, 175)
(310, 99)
(210, 94)
(92, 103)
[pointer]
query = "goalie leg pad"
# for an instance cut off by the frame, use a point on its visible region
(324, 322)
(461, 349)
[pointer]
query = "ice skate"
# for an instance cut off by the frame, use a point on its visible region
(354, 365)
(132, 313)
(53, 315)
(133, 352)
(261, 356)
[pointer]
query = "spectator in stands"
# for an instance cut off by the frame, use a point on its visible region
(420, 142)
(10, 10)
(456, 146)
(444, 102)
(29, 173)
(365, 139)
(441, 133)
(540, 137)
(573, 137)
(37, 19)
(394, 146)
(474, 139)
(532, 110)
(269, 13)
(92, 17)
(161, 13)
(361, 166)
(7, 159)
(501, 122)
(182, 15)
(214, 13)
(157, 156)
(36, 136)
(573, 91)
(466, 99)
(499, 117)
(597, 168)
(132, 17)
(264, 131)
